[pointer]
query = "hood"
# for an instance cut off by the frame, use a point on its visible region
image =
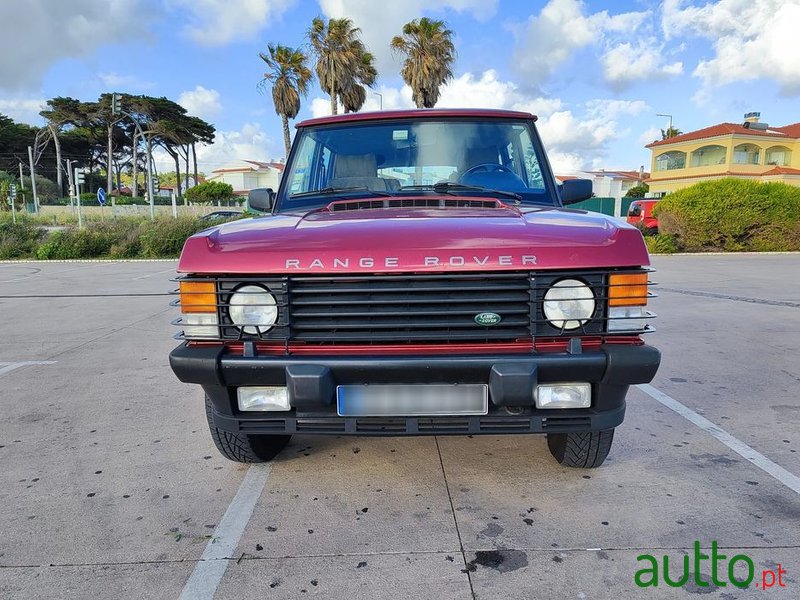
(415, 239)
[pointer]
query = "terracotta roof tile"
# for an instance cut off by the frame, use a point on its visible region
(788, 131)
(773, 171)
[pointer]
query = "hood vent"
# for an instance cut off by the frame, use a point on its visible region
(345, 205)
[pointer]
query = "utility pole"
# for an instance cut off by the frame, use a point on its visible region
(71, 187)
(33, 182)
(78, 181)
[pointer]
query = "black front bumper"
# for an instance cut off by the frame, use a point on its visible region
(312, 381)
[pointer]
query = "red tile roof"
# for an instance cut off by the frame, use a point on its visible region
(257, 165)
(771, 172)
(787, 131)
(621, 174)
(782, 171)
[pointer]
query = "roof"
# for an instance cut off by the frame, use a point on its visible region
(424, 113)
(255, 165)
(785, 132)
(772, 172)
(631, 175)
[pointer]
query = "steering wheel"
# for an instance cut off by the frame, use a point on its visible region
(487, 167)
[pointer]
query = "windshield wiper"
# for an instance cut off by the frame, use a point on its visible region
(338, 190)
(452, 188)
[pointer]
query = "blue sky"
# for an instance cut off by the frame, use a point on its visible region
(596, 72)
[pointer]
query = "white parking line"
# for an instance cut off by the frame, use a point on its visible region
(208, 572)
(7, 367)
(152, 274)
(788, 479)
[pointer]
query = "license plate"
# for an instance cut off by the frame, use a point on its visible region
(411, 400)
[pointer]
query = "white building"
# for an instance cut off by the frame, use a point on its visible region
(614, 184)
(246, 175)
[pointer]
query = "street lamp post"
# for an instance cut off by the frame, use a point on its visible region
(670, 119)
(381, 97)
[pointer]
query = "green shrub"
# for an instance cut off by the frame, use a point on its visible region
(732, 215)
(94, 241)
(209, 191)
(660, 244)
(19, 240)
(164, 238)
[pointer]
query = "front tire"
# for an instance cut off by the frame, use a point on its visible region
(581, 450)
(243, 448)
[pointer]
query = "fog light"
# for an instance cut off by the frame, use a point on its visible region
(626, 318)
(564, 395)
(263, 398)
(200, 325)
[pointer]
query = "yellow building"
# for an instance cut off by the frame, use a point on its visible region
(750, 150)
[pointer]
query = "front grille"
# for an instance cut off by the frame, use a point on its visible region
(391, 309)
(432, 308)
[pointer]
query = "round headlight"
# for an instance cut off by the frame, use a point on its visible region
(253, 309)
(568, 304)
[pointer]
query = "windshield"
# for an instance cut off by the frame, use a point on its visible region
(494, 158)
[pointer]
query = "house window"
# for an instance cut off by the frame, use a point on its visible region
(708, 155)
(670, 160)
(779, 156)
(746, 154)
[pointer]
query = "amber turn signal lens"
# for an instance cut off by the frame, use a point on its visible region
(627, 289)
(198, 297)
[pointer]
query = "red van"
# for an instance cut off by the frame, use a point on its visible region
(640, 213)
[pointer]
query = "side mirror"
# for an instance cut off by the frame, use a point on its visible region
(260, 199)
(575, 190)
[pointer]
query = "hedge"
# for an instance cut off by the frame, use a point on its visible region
(122, 238)
(732, 215)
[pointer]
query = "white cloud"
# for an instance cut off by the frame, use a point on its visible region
(248, 143)
(753, 39)
(380, 21)
(626, 64)
(219, 22)
(550, 38)
(573, 141)
(35, 34)
(116, 82)
(649, 135)
(201, 102)
(467, 90)
(23, 110)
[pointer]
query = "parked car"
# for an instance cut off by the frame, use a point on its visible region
(416, 274)
(219, 215)
(640, 214)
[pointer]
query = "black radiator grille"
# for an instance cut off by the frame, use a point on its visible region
(409, 308)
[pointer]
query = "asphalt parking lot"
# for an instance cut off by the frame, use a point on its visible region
(110, 485)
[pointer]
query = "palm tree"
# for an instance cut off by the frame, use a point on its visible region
(429, 55)
(289, 75)
(353, 94)
(670, 132)
(343, 62)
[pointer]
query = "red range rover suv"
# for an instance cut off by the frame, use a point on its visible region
(416, 273)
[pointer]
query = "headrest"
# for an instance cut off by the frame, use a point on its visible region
(355, 165)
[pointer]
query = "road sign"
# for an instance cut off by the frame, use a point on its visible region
(12, 190)
(101, 196)
(79, 176)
